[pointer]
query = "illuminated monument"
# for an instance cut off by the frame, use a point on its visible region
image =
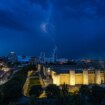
(74, 76)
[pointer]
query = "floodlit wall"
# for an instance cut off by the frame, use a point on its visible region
(91, 78)
(78, 78)
(84, 78)
(56, 80)
(64, 78)
(72, 77)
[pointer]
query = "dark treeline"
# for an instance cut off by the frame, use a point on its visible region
(94, 95)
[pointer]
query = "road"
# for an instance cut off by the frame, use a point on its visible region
(8, 75)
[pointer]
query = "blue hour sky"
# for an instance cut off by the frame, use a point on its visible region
(75, 27)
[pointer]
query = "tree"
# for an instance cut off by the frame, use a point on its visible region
(77, 100)
(65, 90)
(53, 91)
(65, 96)
(32, 67)
(34, 93)
(97, 94)
(84, 90)
(11, 91)
(84, 94)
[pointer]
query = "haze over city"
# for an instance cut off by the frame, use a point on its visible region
(75, 27)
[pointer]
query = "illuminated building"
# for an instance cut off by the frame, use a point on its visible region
(12, 57)
(24, 60)
(75, 76)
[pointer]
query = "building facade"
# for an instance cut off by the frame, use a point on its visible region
(79, 78)
(75, 77)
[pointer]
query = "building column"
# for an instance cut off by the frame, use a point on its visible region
(98, 77)
(85, 77)
(72, 77)
(39, 67)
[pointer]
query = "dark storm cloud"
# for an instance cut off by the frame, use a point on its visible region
(85, 24)
(7, 21)
(87, 8)
(21, 15)
(43, 3)
(78, 25)
(23, 11)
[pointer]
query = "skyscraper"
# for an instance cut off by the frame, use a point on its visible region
(12, 57)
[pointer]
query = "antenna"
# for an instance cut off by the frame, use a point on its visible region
(42, 57)
(54, 54)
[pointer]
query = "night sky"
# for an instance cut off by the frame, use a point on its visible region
(75, 27)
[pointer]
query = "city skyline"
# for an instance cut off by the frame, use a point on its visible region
(76, 28)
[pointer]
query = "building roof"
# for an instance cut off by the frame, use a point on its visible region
(66, 68)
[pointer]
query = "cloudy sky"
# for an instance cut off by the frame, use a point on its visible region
(75, 27)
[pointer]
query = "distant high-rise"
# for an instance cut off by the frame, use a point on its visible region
(12, 57)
